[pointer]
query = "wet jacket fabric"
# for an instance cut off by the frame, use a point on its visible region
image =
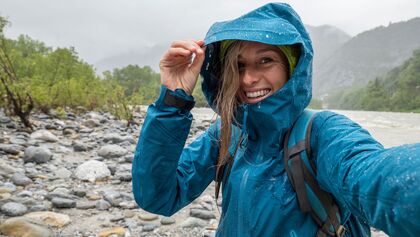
(373, 186)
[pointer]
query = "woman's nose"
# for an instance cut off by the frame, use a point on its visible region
(249, 77)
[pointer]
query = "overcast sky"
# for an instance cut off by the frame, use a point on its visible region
(101, 28)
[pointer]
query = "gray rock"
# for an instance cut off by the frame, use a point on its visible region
(92, 170)
(113, 138)
(4, 119)
(13, 209)
(192, 222)
(91, 123)
(113, 197)
(63, 202)
(202, 214)
(39, 207)
(128, 205)
(167, 220)
(79, 146)
(79, 192)
(11, 148)
(148, 216)
(103, 205)
(124, 176)
(6, 170)
(147, 227)
(63, 173)
(83, 205)
(25, 193)
(20, 179)
(44, 135)
(37, 155)
(111, 151)
(117, 217)
(18, 141)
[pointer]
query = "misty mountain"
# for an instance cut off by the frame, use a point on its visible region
(326, 40)
(366, 56)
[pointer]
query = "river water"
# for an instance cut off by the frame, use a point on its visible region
(389, 128)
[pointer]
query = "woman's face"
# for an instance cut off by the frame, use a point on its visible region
(262, 71)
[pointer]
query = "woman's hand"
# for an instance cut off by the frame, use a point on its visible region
(181, 64)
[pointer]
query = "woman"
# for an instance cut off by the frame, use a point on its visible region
(257, 77)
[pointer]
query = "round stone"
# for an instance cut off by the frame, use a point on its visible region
(37, 155)
(63, 202)
(14, 209)
(148, 217)
(20, 179)
(167, 220)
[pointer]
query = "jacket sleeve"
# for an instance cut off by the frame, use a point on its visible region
(165, 175)
(381, 186)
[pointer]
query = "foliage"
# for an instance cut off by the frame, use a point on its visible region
(17, 97)
(399, 90)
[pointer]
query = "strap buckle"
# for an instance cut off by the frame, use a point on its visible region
(340, 231)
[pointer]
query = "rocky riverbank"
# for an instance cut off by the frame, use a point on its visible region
(72, 177)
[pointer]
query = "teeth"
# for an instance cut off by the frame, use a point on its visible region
(257, 93)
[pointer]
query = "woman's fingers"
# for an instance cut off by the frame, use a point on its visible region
(198, 61)
(191, 45)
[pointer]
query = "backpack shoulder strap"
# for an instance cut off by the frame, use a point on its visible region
(301, 171)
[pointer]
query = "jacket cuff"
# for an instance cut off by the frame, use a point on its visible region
(178, 99)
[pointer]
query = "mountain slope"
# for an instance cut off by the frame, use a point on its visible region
(366, 56)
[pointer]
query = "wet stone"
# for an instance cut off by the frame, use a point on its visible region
(117, 218)
(83, 205)
(37, 208)
(63, 202)
(202, 214)
(37, 155)
(148, 217)
(23, 226)
(20, 179)
(103, 205)
(11, 148)
(13, 209)
(167, 220)
(192, 222)
(147, 227)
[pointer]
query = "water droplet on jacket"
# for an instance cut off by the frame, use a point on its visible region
(267, 36)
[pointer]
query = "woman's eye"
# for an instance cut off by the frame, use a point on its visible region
(241, 66)
(266, 60)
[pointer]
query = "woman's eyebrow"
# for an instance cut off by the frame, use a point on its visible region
(263, 50)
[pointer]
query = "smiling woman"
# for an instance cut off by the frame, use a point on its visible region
(257, 76)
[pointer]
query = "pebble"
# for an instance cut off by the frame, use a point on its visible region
(148, 217)
(24, 227)
(191, 222)
(103, 205)
(20, 179)
(13, 209)
(112, 151)
(92, 171)
(50, 218)
(63, 202)
(167, 220)
(37, 155)
(202, 214)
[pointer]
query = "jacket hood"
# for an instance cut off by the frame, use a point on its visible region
(275, 24)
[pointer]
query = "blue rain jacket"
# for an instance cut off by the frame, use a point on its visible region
(373, 186)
